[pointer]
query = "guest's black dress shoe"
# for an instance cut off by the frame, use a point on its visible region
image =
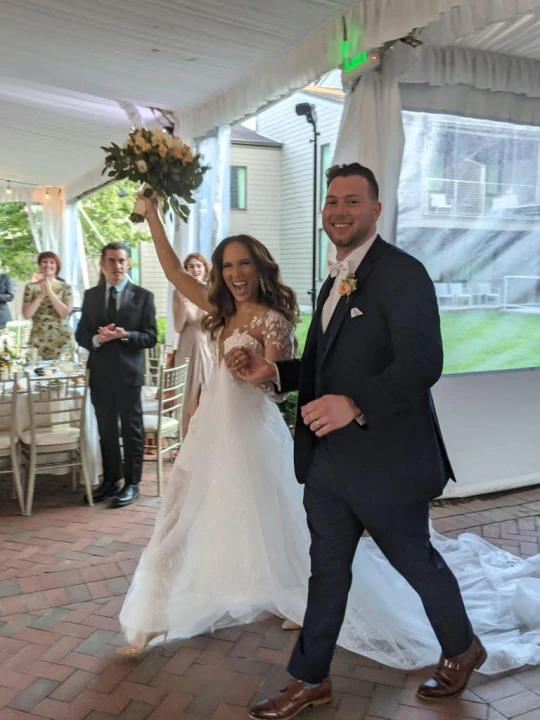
(103, 492)
(126, 496)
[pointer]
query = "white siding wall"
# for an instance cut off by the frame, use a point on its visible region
(261, 219)
(153, 278)
(281, 123)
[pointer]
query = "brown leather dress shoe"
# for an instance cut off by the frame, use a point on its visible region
(452, 674)
(296, 697)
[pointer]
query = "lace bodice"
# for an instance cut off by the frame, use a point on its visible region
(275, 332)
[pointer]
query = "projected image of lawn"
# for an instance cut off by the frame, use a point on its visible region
(469, 209)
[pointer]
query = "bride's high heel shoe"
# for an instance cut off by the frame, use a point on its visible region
(290, 625)
(136, 649)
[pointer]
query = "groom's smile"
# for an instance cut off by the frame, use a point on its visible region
(350, 213)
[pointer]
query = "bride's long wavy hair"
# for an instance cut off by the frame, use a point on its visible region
(272, 290)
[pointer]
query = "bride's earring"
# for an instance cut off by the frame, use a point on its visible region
(262, 286)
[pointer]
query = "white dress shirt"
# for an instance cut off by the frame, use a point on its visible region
(348, 266)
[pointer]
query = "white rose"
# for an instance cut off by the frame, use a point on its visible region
(157, 137)
(141, 166)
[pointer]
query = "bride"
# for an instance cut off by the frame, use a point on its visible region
(231, 542)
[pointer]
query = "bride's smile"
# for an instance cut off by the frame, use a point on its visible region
(240, 273)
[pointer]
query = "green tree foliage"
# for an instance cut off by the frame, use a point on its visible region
(17, 249)
(109, 210)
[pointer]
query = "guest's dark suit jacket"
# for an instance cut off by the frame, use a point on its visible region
(386, 359)
(7, 293)
(118, 363)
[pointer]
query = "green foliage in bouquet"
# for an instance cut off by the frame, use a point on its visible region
(163, 163)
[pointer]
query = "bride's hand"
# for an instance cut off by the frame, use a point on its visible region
(151, 203)
(250, 366)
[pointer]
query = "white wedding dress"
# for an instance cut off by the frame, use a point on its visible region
(231, 544)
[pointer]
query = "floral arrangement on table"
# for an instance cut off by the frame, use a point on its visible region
(8, 352)
(164, 164)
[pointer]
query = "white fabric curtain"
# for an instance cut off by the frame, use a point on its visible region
(470, 102)
(371, 130)
(473, 83)
(74, 269)
(20, 193)
(468, 18)
(212, 211)
(446, 66)
(182, 235)
(208, 222)
(35, 225)
(53, 235)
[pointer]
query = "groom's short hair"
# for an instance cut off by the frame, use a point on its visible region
(354, 169)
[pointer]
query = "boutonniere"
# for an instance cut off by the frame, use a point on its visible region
(348, 286)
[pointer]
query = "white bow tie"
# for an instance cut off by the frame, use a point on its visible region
(335, 268)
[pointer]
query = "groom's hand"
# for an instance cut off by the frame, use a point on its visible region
(329, 413)
(250, 366)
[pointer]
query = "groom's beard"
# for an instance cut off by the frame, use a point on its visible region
(354, 242)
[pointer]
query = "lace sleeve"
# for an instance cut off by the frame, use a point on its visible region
(279, 344)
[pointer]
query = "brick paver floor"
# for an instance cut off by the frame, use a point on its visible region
(63, 575)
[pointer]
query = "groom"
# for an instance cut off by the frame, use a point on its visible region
(367, 444)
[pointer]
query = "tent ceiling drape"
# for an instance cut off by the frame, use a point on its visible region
(70, 71)
(65, 69)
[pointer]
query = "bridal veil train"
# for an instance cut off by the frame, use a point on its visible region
(231, 545)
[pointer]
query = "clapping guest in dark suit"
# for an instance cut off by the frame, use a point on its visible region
(7, 293)
(118, 322)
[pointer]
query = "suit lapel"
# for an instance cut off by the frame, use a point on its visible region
(343, 307)
(312, 332)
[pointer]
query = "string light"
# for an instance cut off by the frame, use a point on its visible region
(9, 187)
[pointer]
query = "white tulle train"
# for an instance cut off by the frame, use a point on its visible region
(231, 544)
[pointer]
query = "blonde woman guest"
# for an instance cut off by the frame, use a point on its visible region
(193, 341)
(47, 302)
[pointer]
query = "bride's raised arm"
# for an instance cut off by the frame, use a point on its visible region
(185, 283)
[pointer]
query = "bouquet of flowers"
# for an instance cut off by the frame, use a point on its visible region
(165, 166)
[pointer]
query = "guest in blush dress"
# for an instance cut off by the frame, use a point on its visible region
(193, 341)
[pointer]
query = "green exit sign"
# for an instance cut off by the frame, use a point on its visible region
(350, 64)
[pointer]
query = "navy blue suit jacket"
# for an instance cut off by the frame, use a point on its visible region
(386, 359)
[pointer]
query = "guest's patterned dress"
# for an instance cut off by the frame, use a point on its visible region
(50, 332)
